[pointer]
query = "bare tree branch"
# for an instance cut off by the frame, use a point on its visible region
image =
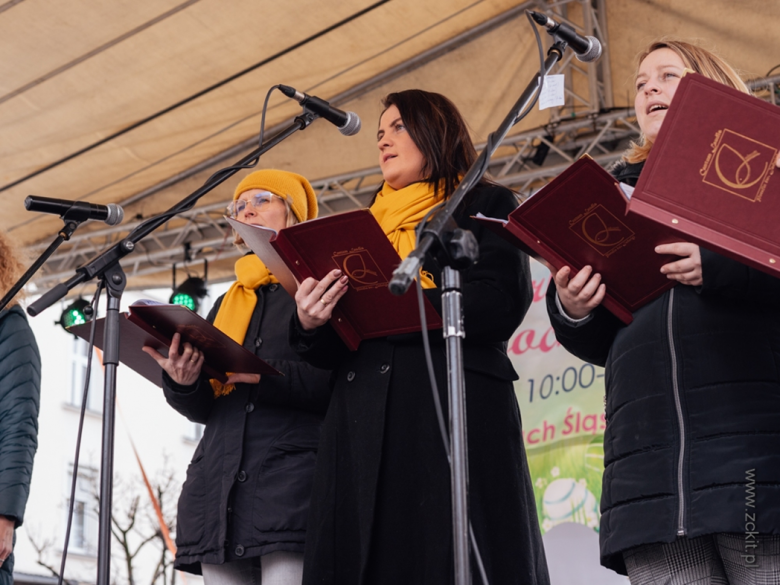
(41, 548)
(135, 526)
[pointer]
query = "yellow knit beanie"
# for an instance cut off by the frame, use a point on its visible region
(294, 188)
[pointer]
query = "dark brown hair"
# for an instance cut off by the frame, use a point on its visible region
(439, 131)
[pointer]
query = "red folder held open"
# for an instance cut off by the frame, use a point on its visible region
(354, 243)
(711, 174)
(155, 324)
(579, 219)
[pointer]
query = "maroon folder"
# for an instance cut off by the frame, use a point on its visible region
(579, 219)
(154, 325)
(354, 243)
(711, 173)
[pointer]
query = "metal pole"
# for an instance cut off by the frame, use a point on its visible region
(115, 284)
(453, 334)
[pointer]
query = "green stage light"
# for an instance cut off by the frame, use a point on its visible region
(189, 293)
(78, 313)
(184, 300)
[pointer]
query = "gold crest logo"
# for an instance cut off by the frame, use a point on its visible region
(361, 269)
(739, 165)
(602, 230)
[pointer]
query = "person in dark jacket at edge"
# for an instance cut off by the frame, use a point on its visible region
(691, 487)
(20, 392)
(381, 511)
(243, 508)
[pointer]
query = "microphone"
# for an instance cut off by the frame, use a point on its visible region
(348, 123)
(112, 214)
(587, 48)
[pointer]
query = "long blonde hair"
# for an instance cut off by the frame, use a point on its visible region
(11, 267)
(697, 59)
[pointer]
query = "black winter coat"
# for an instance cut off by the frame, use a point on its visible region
(249, 483)
(20, 392)
(693, 407)
(381, 509)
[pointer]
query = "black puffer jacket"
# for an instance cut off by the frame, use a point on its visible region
(693, 406)
(248, 487)
(20, 391)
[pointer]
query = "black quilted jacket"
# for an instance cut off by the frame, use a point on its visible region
(20, 386)
(693, 407)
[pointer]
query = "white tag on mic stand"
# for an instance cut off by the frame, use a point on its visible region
(552, 92)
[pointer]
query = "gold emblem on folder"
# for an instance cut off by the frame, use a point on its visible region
(361, 269)
(602, 230)
(739, 165)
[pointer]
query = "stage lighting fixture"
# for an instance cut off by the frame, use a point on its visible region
(542, 150)
(189, 293)
(77, 313)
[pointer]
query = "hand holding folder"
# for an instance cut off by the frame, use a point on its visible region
(712, 174)
(578, 220)
(353, 243)
(154, 325)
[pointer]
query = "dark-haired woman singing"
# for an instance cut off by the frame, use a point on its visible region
(381, 511)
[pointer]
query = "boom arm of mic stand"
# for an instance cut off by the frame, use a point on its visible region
(408, 269)
(113, 255)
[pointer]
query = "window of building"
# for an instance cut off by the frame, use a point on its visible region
(78, 374)
(84, 528)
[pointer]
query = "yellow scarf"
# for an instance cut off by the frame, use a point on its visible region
(237, 307)
(399, 211)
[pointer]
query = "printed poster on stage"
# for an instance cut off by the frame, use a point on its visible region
(561, 402)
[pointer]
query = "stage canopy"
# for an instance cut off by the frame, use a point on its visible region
(137, 102)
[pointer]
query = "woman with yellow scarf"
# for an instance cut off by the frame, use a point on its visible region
(381, 511)
(242, 511)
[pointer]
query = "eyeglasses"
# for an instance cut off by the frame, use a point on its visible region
(256, 201)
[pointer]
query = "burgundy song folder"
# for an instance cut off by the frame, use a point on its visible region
(579, 219)
(711, 173)
(155, 324)
(354, 243)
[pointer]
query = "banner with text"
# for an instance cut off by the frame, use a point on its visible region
(561, 400)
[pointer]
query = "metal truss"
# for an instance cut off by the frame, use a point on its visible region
(588, 86)
(586, 124)
(554, 147)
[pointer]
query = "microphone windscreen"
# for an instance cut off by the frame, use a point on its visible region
(351, 126)
(593, 52)
(115, 214)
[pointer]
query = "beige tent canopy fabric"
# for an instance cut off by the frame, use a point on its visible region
(150, 89)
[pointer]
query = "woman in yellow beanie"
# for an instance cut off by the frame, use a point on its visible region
(242, 511)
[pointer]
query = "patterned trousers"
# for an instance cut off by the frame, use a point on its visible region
(717, 559)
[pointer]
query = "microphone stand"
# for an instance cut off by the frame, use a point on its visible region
(106, 267)
(64, 235)
(458, 248)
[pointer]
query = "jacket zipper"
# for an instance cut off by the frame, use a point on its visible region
(680, 422)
